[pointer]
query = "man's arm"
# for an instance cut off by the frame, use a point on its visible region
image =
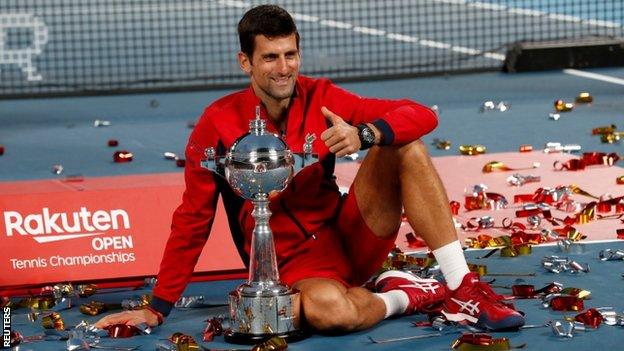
(191, 225)
(397, 121)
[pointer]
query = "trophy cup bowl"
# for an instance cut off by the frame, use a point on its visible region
(256, 165)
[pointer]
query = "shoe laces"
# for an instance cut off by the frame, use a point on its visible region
(487, 289)
(481, 289)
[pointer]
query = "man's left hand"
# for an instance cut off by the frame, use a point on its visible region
(341, 138)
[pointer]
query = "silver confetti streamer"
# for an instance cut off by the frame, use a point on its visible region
(519, 179)
(611, 255)
(556, 264)
(554, 147)
(101, 123)
(566, 329)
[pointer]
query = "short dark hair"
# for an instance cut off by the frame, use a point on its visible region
(269, 20)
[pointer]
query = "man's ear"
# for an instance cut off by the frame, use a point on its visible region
(244, 62)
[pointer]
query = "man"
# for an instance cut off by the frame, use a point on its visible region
(327, 245)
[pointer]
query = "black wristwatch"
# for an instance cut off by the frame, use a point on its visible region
(367, 136)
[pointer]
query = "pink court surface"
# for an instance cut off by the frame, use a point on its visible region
(146, 202)
(461, 173)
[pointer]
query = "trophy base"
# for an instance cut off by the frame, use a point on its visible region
(258, 318)
(251, 339)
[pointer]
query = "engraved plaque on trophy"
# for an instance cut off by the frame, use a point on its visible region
(257, 164)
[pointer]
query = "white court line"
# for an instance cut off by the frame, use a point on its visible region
(533, 13)
(129, 8)
(438, 44)
(602, 241)
(336, 24)
(369, 31)
(381, 32)
(594, 76)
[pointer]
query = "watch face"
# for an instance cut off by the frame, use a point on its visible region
(368, 136)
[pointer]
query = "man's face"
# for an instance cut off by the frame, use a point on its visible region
(274, 67)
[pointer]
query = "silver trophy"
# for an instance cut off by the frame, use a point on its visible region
(257, 164)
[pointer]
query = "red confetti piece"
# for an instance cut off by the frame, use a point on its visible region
(122, 156)
(523, 290)
(113, 143)
(414, 242)
(574, 164)
(527, 213)
(591, 318)
(122, 330)
(604, 130)
(455, 205)
(566, 303)
(15, 338)
(484, 200)
(213, 328)
(208, 336)
(523, 198)
(600, 158)
(603, 207)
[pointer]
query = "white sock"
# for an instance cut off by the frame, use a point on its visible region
(396, 302)
(452, 262)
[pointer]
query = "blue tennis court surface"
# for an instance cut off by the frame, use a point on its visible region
(604, 282)
(40, 133)
(605, 9)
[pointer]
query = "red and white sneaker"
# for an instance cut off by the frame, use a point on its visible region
(476, 305)
(422, 293)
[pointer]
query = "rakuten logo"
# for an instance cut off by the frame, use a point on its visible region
(70, 225)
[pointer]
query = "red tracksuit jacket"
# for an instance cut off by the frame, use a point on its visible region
(307, 203)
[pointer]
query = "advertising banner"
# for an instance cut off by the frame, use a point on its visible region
(96, 228)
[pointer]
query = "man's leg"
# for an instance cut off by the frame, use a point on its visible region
(331, 307)
(391, 178)
(395, 177)
(408, 173)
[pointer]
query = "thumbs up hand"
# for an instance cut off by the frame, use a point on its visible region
(341, 138)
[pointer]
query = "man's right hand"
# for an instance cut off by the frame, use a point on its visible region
(133, 317)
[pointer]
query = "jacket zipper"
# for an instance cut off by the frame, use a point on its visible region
(292, 217)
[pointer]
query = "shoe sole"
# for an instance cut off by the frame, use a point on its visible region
(458, 317)
(405, 275)
(485, 323)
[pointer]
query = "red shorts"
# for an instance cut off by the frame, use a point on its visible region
(346, 250)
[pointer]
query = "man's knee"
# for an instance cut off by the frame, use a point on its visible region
(415, 150)
(414, 157)
(328, 310)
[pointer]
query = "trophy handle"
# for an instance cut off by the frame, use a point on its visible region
(307, 157)
(303, 160)
(213, 162)
(216, 163)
